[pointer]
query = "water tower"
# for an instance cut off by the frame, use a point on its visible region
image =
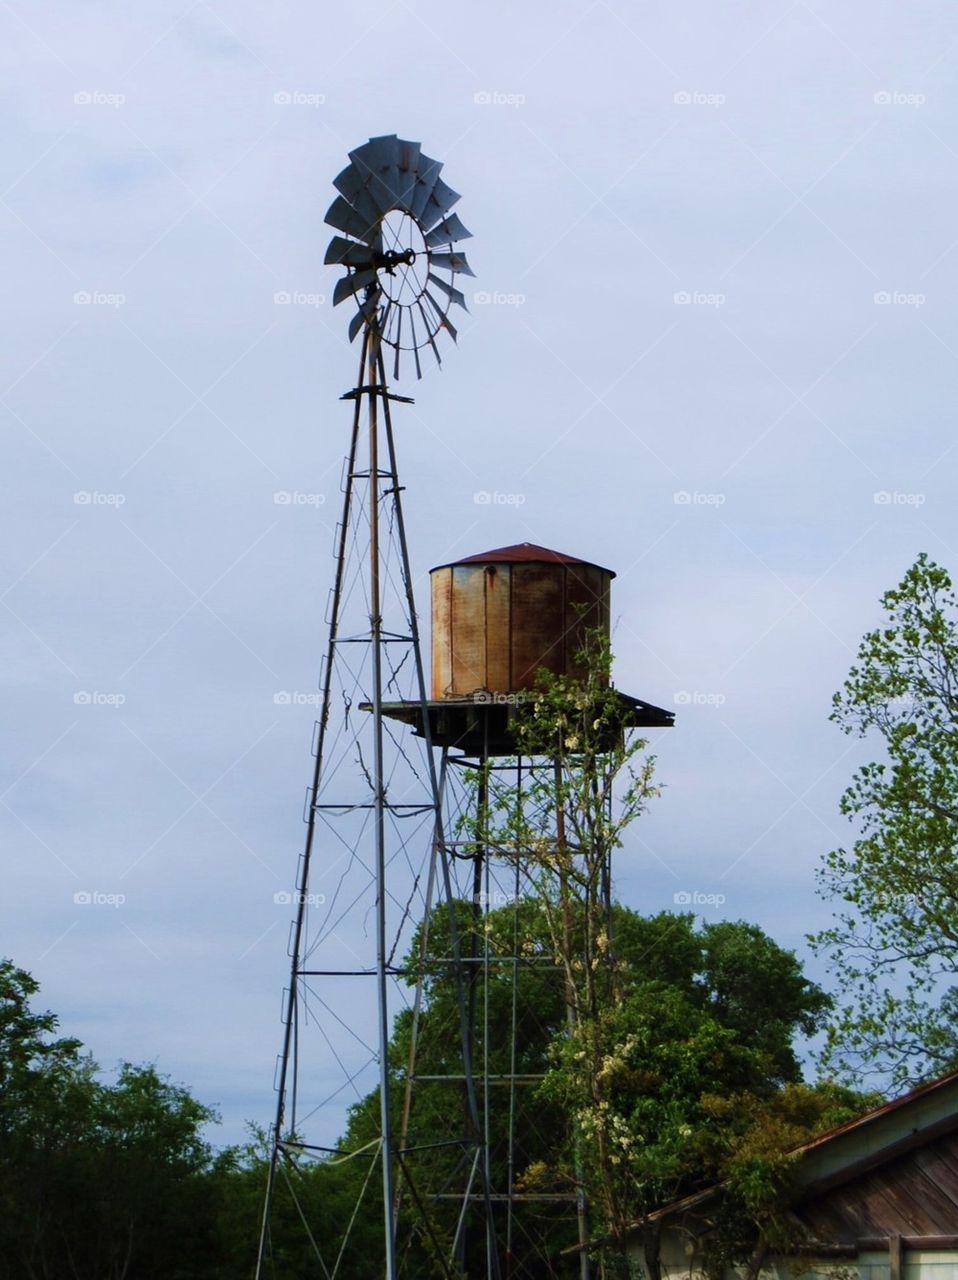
(500, 618)
(497, 619)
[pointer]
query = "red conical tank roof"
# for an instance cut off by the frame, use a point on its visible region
(523, 553)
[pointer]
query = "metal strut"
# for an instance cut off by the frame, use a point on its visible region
(379, 799)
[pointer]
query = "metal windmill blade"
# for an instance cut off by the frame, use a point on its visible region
(451, 262)
(397, 246)
(447, 232)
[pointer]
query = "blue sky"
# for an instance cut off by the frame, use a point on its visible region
(720, 245)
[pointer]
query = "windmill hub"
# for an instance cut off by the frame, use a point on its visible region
(390, 261)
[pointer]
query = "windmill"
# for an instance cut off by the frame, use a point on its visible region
(397, 244)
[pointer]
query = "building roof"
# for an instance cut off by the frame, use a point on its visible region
(523, 553)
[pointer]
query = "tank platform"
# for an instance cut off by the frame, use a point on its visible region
(483, 724)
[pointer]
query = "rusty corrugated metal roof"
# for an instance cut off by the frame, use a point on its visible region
(523, 553)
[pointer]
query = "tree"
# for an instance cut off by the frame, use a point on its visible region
(753, 1215)
(667, 1082)
(895, 940)
(701, 1036)
(325, 1193)
(97, 1180)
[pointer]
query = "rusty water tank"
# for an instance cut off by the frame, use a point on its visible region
(500, 616)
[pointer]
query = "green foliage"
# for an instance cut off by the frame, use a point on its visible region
(96, 1180)
(664, 1085)
(659, 1089)
(752, 1216)
(636, 1080)
(326, 1192)
(895, 940)
(587, 781)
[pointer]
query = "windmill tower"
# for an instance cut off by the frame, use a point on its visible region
(382, 866)
(374, 830)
